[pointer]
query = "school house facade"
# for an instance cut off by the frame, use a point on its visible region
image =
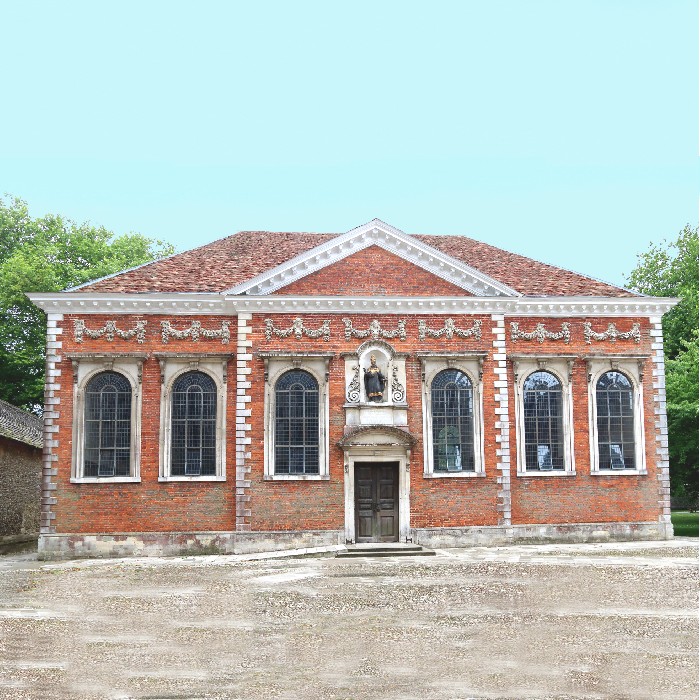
(282, 390)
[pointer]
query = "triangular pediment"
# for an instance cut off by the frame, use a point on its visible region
(372, 271)
(380, 234)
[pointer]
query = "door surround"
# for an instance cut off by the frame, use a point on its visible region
(377, 444)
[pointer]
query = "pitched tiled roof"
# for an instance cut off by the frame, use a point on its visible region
(225, 263)
(20, 425)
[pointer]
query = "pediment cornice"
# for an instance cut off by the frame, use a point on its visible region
(391, 239)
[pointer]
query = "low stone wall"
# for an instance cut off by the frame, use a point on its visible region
(163, 544)
(20, 477)
(157, 544)
(249, 542)
(540, 534)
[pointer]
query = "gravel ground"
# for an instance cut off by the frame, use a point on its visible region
(576, 621)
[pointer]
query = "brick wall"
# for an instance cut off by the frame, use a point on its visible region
(319, 505)
(276, 505)
(148, 506)
(584, 497)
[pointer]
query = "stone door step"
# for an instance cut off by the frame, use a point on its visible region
(384, 549)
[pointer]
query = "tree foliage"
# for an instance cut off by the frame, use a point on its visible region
(672, 270)
(49, 254)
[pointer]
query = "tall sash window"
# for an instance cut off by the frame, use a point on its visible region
(296, 424)
(452, 402)
(107, 426)
(193, 426)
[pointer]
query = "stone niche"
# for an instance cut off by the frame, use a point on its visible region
(392, 408)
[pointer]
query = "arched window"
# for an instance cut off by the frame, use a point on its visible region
(543, 422)
(452, 405)
(615, 417)
(296, 424)
(107, 426)
(193, 426)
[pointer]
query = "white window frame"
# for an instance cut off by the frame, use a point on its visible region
(171, 368)
(471, 365)
(633, 369)
(85, 368)
(562, 368)
(317, 366)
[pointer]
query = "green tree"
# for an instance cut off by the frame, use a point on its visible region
(49, 254)
(672, 270)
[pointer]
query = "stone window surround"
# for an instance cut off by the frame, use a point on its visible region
(561, 366)
(633, 368)
(317, 365)
(470, 364)
(85, 367)
(172, 366)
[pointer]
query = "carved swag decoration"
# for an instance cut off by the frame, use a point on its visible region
(298, 329)
(375, 330)
(195, 332)
(612, 334)
(539, 334)
(109, 331)
(449, 330)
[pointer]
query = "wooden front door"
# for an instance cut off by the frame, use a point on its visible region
(376, 501)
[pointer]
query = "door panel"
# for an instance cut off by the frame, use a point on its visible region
(376, 502)
(364, 507)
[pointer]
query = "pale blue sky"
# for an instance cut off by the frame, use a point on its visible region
(566, 131)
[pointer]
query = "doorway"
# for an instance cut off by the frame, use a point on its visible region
(376, 501)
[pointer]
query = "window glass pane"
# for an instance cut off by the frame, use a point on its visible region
(107, 426)
(452, 408)
(193, 426)
(615, 421)
(296, 424)
(543, 422)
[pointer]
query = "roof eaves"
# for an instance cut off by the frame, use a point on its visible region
(20, 425)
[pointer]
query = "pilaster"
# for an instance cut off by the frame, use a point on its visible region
(243, 424)
(661, 426)
(502, 424)
(52, 412)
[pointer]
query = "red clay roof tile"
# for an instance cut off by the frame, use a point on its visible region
(223, 264)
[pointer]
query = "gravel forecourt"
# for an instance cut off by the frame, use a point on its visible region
(556, 621)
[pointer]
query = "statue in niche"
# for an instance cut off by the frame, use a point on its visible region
(375, 381)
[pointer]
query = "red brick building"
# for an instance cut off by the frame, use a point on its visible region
(274, 390)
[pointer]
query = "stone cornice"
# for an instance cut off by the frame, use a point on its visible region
(147, 303)
(391, 239)
(219, 304)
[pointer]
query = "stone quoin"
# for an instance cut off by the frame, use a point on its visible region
(217, 400)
